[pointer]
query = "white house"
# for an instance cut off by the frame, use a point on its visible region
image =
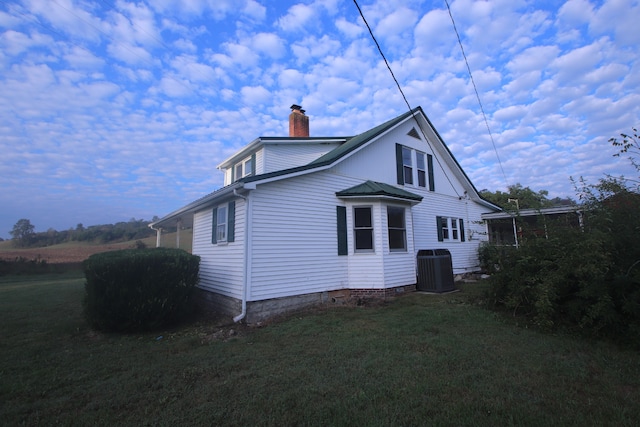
(302, 220)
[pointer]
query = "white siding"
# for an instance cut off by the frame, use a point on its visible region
(279, 157)
(448, 200)
(294, 244)
(221, 265)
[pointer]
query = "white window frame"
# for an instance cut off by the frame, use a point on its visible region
(403, 229)
(407, 165)
(221, 233)
(421, 170)
(247, 167)
(370, 228)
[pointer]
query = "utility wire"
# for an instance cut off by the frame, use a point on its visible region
(402, 93)
(486, 122)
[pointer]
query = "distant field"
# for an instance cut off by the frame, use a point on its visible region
(71, 252)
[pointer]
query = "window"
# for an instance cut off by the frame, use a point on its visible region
(420, 166)
(223, 223)
(397, 229)
(451, 229)
(248, 167)
(244, 168)
(454, 229)
(406, 165)
(363, 229)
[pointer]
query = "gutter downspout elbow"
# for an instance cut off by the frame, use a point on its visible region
(245, 279)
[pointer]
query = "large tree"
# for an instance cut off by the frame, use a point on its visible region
(23, 232)
(519, 197)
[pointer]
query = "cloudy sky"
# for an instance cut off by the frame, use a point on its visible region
(113, 109)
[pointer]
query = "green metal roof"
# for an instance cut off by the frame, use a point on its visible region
(378, 189)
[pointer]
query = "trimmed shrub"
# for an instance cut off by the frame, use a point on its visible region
(139, 289)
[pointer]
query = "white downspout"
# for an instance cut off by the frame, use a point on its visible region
(247, 256)
(178, 227)
(158, 234)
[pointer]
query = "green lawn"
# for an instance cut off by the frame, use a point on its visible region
(417, 360)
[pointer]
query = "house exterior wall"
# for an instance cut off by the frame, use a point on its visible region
(448, 200)
(293, 248)
(284, 156)
(221, 265)
(294, 243)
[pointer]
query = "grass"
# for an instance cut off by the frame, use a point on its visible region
(416, 360)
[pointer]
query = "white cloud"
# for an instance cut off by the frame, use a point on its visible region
(349, 29)
(298, 17)
(255, 95)
(269, 44)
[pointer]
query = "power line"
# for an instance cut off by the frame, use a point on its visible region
(403, 95)
(486, 122)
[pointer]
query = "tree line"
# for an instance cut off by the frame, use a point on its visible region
(24, 235)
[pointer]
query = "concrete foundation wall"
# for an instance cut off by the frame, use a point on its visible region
(213, 304)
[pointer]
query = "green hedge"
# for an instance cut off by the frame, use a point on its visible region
(139, 289)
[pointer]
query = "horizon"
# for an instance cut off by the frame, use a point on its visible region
(117, 109)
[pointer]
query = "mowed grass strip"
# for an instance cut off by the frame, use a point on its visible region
(416, 360)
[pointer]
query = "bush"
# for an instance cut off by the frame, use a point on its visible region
(139, 289)
(584, 279)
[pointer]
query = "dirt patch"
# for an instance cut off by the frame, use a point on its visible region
(58, 255)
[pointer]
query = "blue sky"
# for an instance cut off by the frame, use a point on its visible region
(111, 110)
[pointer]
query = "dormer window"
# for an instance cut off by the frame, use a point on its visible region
(244, 168)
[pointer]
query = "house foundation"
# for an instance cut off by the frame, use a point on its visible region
(212, 304)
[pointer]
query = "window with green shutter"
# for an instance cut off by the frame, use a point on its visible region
(223, 222)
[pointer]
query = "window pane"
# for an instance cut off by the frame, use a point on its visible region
(247, 167)
(397, 239)
(222, 215)
(364, 239)
(362, 217)
(395, 217)
(445, 228)
(422, 178)
(408, 175)
(221, 234)
(406, 156)
(407, 167)
(420, 160)
(239, 171)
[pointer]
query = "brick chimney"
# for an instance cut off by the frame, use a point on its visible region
(298, 122)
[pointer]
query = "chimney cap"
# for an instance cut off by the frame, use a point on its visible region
(296, 107)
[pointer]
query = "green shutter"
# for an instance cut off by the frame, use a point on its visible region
(439, 226)
(214, 225)
(399, 166)
(253, 164)
(231, 222)
(233, 173)
(341, 214)
(432, 184)
(461, 230)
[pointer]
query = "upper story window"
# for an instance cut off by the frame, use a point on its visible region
(420, 166)
(363, 229)
(406, 165)
(244, 168)
(423, 170)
